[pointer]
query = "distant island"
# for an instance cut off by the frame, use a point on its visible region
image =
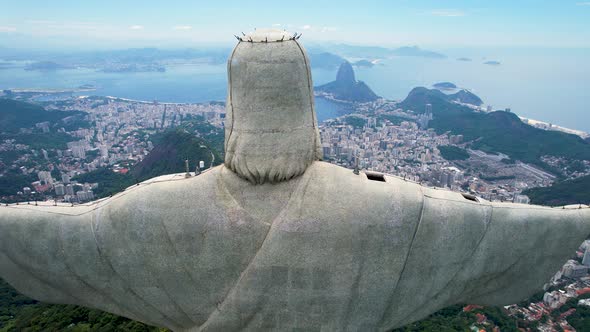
(347, 88)
(87, 87)
(445, 86)
(133, 68)
(492, 63)
(464, 59)
(45, 66)
(363, 63)
(374, 52)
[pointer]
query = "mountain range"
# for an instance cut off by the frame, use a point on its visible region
(497, 131)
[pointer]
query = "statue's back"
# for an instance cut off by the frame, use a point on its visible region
(327, 250)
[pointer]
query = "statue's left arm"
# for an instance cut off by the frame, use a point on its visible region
(466, 250)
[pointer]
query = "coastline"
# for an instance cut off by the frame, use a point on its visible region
(549, 126)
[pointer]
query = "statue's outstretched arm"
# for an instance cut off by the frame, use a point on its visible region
(522, 248)
(469, 251)
(49, 253)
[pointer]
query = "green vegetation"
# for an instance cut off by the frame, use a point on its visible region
(11, 182)
(17, 114)
(447, 320)
(396, 120)
(38, 140)
(109, 182)
(450, 152)
(580, 320)
(170, 151)
(214, 136)
(497, 131)
(355, 122)
(562, 192)
(453, 319)
(8, 157)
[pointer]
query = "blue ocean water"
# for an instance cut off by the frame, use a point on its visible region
(543, 84)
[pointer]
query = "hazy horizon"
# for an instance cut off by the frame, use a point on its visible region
(458, 23)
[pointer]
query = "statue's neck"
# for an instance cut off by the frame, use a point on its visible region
(262, 202)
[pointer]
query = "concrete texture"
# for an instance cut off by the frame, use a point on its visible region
(327, 250)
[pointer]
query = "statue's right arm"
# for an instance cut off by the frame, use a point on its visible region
(51, 254)
(522, 248)
(30, 250)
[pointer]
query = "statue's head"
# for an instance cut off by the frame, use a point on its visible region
(271, 131)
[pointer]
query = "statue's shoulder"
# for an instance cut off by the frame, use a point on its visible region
(343, 185)
(169, 190)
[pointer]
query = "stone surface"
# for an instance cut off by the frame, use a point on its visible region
(323, 251)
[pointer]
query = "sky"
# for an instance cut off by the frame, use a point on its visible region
(183, 23)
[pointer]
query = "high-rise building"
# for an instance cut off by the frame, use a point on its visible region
(586, 259)
(78, 152)
(572, 270)
(60, 189)
(522, 199)
(104, 151)
(45, 177)
(85, 195)
(70, 190)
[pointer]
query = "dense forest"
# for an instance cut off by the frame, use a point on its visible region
(576, 191)
(17, 114)
(450, 152)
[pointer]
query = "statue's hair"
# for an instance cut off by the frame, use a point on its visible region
(262, 157)
(271, 132)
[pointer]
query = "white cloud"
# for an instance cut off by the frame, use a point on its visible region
(306, 27)
(586, 3)
(182, 27)
(447, 13)
(136, 27)
(277, 25)
(7, 29)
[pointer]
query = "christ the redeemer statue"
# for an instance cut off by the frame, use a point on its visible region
(275, 239)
